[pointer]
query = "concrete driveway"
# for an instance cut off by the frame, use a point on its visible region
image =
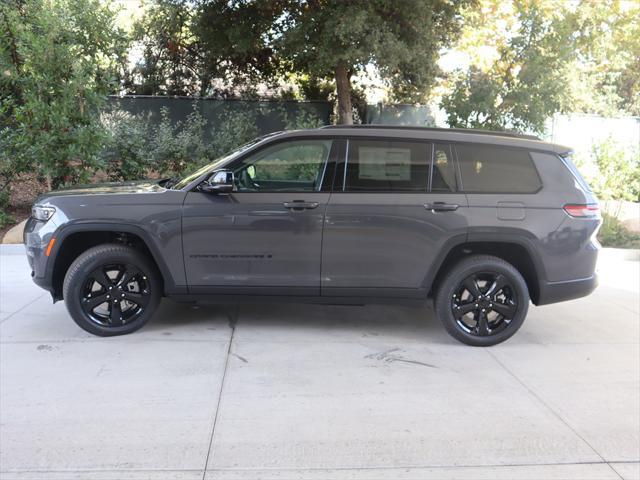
(314, 392)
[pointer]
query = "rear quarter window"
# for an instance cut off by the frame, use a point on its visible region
(489, 169)
(568, 162)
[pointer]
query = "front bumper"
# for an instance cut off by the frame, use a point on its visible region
(36, 238)
(553, 292)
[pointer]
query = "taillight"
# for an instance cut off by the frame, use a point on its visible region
(589, 210)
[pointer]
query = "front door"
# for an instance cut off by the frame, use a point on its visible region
(394, 210)
(266, 236)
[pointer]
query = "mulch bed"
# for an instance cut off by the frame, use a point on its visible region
(24, 190)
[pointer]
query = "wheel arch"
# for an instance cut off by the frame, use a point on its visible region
(517, 252)
(73, 240)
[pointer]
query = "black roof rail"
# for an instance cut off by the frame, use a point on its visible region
(432, 129)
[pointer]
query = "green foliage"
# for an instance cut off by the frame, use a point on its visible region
(237, 38)
(175, 146)
(618, 172)
(5, 218)
(614, 234)
(172, 60)
(126, 153)
(135, 148)
(524, 84)
(206, 48)
(58, 60)
(401, 39)
(339, 39)
(238, 128)
(530, 59)
(299, 120)
(605, 79)
(313, 88)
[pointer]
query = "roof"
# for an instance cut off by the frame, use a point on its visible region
(432, 129)
(461, 135)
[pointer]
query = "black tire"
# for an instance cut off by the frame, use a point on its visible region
(473, 318)
(89, 280)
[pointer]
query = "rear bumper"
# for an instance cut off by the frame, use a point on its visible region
(553, 292)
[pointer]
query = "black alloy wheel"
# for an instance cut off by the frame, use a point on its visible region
(484, 303)
(112, 289)
(482, 300)
(115, 295)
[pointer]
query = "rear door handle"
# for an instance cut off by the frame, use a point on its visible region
(298, 205)
(441, 207)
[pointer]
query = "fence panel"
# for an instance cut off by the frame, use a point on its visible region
(269, 115)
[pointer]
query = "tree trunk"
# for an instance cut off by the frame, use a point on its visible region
(343, 86)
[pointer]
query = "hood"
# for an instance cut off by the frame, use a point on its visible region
(112, 188)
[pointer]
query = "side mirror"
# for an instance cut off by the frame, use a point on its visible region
(220, 181)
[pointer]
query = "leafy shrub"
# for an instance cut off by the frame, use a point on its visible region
(618, 171)
(237, 129)
(299, 120)
(175, 147)
(126, 152)
(614, 234)
(134, 148)
(57, 60)
(5, 218)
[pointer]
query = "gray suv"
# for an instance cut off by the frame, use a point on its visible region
(480, 223)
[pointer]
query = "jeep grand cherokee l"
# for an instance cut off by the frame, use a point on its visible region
(480, 223)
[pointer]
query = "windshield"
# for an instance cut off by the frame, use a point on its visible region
(183, 182)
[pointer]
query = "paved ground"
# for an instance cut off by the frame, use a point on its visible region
(312, 392)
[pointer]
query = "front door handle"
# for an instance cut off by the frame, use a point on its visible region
(298, 205)
(441, 207)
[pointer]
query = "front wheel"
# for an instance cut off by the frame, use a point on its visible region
(482, 300)
(111, 290)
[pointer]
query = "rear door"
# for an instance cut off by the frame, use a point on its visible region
(394, 209)
(265, 237)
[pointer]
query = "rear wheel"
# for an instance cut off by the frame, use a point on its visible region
(482, 301)
(111, 290)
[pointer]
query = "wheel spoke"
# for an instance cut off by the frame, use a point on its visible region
(115, 314)
(92, 302)
(460, 310)
(482, 328)
(507, 310)
(472, 287)
(127, 274)
(498, 284)
(102, 278)
(140, 299)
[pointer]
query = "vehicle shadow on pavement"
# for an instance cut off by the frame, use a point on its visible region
(290, 321)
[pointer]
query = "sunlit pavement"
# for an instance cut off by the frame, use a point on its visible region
(314, 392)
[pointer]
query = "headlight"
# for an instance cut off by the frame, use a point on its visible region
(42, 213)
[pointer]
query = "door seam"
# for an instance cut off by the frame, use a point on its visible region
(324, 219)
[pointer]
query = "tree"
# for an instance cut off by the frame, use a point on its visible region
(237, 38)
(208, 48)
(331, 39)
(525, 80)
(530, 59)
(172, 61)
(335, 38)
(605, 78)
(58, 60)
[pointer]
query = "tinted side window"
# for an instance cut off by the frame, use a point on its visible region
(387, 166)
(443, 174)
(494, 169)
(296, 166)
